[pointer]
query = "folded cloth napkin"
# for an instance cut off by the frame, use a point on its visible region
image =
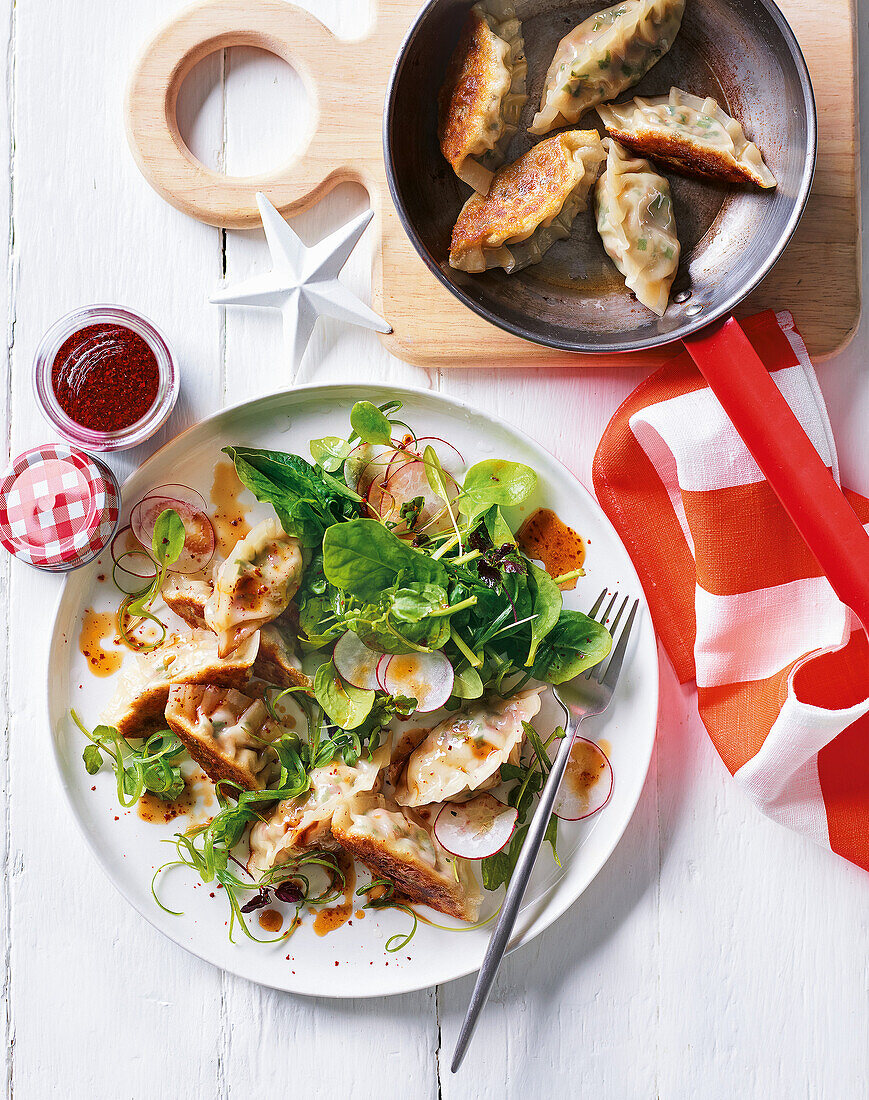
(738, 600)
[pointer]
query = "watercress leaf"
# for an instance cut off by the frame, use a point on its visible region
(364, 559)
(467, 684)
(329, 452)
(347, 706)
(167, 541)
(574, 644)
(369, 423)
(434, 472)
(546, 607)
(414, 602)
(103, 734)
(93, 759)
(497, 527)
(496, 481)
(551, 835)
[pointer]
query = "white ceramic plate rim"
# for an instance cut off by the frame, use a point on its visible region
(548, 909)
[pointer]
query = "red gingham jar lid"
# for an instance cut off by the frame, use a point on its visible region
(59, 507)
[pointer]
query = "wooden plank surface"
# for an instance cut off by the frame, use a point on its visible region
(716, 955)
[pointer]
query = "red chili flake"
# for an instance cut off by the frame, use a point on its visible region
(105, 377)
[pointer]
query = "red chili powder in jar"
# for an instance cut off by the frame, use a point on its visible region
(105, 377)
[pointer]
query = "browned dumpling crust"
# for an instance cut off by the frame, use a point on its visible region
(482, 97)
(529, 194)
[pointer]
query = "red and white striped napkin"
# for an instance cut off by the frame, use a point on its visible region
(738, 600)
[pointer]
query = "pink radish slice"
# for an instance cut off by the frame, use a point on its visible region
(199, 541)
(587, 783)
(380, 669)
(475, 829)
(132, 560)
(356, 662)
(364, 463)
(426, 677)
(179, 492)
(406, 483)
(437, 439)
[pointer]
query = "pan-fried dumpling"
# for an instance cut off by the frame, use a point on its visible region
(297, 824)
(466, 750)
(276, 659)
(530, 205)
(227, 733)
(637, 226)
(254, 585)
(690, 134)
(607, 53)
(140, 701)
(483, 93)
(395, 843)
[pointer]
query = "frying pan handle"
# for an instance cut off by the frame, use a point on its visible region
(787, 458)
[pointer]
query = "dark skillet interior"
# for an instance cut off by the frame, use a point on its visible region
(739, 51)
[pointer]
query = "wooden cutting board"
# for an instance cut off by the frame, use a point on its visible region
(345, 84)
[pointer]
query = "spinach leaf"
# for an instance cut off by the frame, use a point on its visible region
(347, 706)
(306, 499)
(369, 423)
(574, 644)
(496, 481)
(364, 559)
(416, 601)
(547, 607)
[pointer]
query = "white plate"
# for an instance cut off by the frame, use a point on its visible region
(350, 962)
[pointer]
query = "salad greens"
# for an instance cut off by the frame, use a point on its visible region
(415, 559)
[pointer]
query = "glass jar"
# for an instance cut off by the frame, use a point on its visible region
(101, 328)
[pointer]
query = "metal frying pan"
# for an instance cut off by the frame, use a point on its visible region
(744, 54)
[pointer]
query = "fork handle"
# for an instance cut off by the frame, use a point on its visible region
(515, 893)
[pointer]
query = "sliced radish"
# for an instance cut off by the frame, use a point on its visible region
(364, 463)
(437, 439)
(128, 557)
(199, 541)
(587, 783)
(179, 492)
(475, 829)
(403, 482)
(426, 677)
(356, 662)
(381, 669)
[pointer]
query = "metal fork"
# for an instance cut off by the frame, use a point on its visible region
(582, 697)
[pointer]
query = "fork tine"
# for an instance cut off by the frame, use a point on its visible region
(597, 673)
(615, 662)
(596, 605)
(589, 675)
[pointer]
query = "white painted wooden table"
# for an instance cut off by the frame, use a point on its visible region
(716, 955)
